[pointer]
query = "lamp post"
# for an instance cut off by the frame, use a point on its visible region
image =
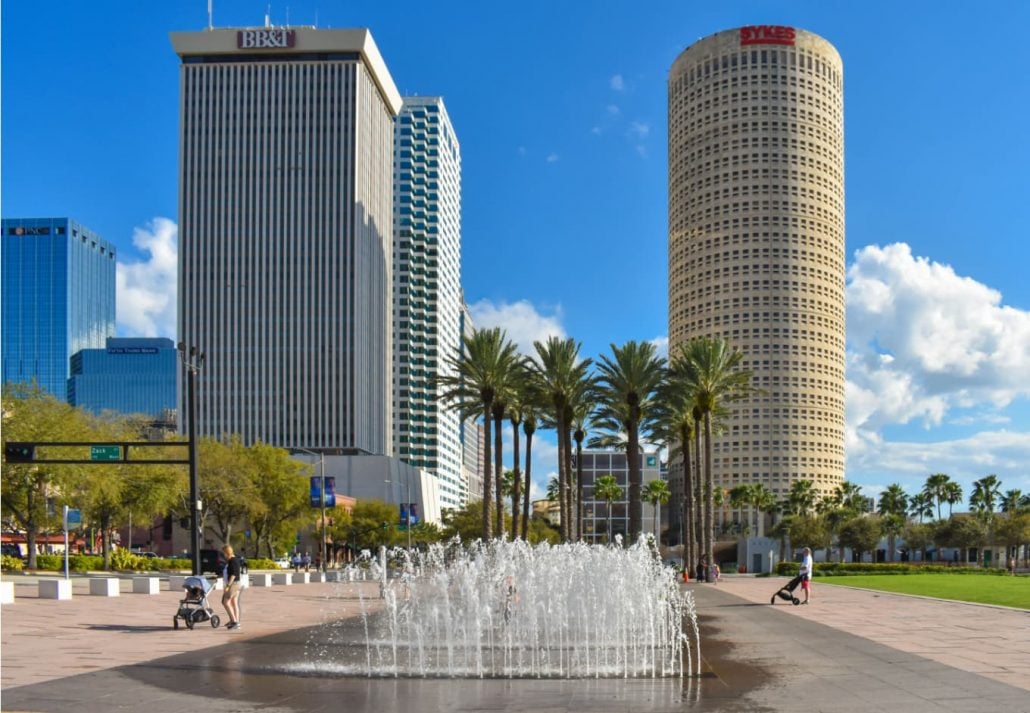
(193, 362)
(321, 473)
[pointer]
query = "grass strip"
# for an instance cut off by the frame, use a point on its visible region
(979, 589)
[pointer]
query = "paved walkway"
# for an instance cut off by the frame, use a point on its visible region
(848, 652)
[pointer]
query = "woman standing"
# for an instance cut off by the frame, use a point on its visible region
(806, 570)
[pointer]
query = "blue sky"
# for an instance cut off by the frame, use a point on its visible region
(560, 108)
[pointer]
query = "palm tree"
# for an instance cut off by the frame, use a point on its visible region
(516, 408)
(674, 427)
(801, 498)
(936, 488)
(717, 380)
(920, 505)
(893, 507)
(580, 423)
(985, 496)
(952, 495)
(1010, 502)
(558, 373)
(740, 496)
(528, 428)
(606, 488)
(478, 370)
(762, 501)
(627, 383)
(657, 493)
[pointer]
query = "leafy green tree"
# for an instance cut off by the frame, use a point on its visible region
(1011, 501)
(656, 492)
(762, 500)
(29, 490)
(1013, 530)
(892, 525)
(480, 371)
(465, 522)
(627, 384)
(282, 488)
(606, 488)
(374, 524)
(952, 495)
(807, 531)
(917, 536)
(739, 497)
(542, 531)
(228, 485)
(861, 533)
(985, 496)
(960, 531)
(801, 498)
(921, 505)
(425, 533)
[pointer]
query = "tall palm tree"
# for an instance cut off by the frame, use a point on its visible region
(718, 380)
(762, 501)
(627, 383)
(558, 373)
(606, 488)
(674, 427)
(528, 428)
(657, 493)
(952, 495)
(1010, 501)
(515, 410)
(740, 496)
(580, 424)
(936, 488)
(920, 505)
(893, 507)
(801, 498)
(479, 369)
(985, 496)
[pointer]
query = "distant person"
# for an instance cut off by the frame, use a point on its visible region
(231, 595)
(1012, 566)
(297, 561)
(806, 572)
(307, 561)
(716, 573)
(701, 570)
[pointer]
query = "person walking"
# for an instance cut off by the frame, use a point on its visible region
(231, 595)
(806, 572)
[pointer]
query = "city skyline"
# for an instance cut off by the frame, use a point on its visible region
(564, 158)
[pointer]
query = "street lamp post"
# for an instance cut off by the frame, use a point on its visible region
(321, 473)
(193, 363)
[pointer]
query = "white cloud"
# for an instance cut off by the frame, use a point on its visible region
(613, 110)
(923, 342)
(639, 129)
(617, 83)
(552, 158)
(661, 345)
(596, 131)
(522, 150)
(523, 323)
(146, 291)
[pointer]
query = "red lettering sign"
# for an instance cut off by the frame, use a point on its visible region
(767, 35)
(265, 39)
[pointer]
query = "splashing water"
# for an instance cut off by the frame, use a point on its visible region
(507, 609)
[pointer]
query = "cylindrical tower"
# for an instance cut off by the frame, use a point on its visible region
(756, 242)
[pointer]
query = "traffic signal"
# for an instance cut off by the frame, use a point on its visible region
(19, 452)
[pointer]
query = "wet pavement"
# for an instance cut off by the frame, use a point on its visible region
(755, 658)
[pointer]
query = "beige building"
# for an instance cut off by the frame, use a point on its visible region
(756, 243)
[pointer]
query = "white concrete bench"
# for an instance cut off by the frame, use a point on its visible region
(176, 582)
(260, 579)
(282, 578)
(301, 577)
(105, 586)
(55, 589)
(317, 577)
(146, 585)
(6, 592)
(335, 575)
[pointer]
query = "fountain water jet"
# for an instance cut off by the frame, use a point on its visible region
(507, 609)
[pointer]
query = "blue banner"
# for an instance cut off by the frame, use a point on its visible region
(316, 492)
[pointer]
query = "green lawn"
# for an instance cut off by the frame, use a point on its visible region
(982, 589)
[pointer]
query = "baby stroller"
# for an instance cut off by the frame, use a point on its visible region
(194, 608)
(787, 592)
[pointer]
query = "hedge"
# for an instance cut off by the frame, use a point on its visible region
(11, 564)
(94, 563)
(844, 569)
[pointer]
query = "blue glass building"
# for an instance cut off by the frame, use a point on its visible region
(131, 376)
(58, 292)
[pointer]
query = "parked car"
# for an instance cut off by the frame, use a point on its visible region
(212, 561)
(284, 563)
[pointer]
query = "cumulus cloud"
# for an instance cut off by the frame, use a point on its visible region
(924, 342)
(617, 83)
(661, 345)
(613, 110)
(639, 129)
(521, 320)
(552, 158)
(146, 290)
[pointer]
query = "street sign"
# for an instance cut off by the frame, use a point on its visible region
(105, 453)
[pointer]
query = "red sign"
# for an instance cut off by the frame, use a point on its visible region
(265, 39)
(767, 35)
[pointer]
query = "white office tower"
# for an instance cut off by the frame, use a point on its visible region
(285, 245)
(427, 303)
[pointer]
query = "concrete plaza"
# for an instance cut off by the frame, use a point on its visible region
(848, 651)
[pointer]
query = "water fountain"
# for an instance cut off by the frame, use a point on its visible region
(510, 610)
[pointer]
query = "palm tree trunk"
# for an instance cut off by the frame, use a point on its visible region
(525, 495)
(699, 501)
(636, 509)
(499, 469)
(569, 501)
(487, 483)
(563, 515)
(579, 490)
(709, 482)
(516, 489)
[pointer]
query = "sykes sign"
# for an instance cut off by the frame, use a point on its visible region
(766, 35)
(265, 39)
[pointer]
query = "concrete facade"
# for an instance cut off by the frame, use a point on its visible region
(756, 244)
(285, 234)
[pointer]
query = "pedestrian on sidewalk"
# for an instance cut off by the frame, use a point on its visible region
(806, 571)
(231, 595)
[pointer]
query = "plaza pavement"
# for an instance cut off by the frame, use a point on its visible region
(850, 651)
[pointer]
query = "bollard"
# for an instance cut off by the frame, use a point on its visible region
(55, 589)
(6, 592)
(105, 587)
(146, 585)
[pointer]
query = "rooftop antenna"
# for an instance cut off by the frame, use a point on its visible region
(268, 14)
(210, 15)
(287, 15)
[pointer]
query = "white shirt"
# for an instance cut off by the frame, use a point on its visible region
(806, 565)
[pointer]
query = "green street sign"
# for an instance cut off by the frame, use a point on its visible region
(105, 452)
